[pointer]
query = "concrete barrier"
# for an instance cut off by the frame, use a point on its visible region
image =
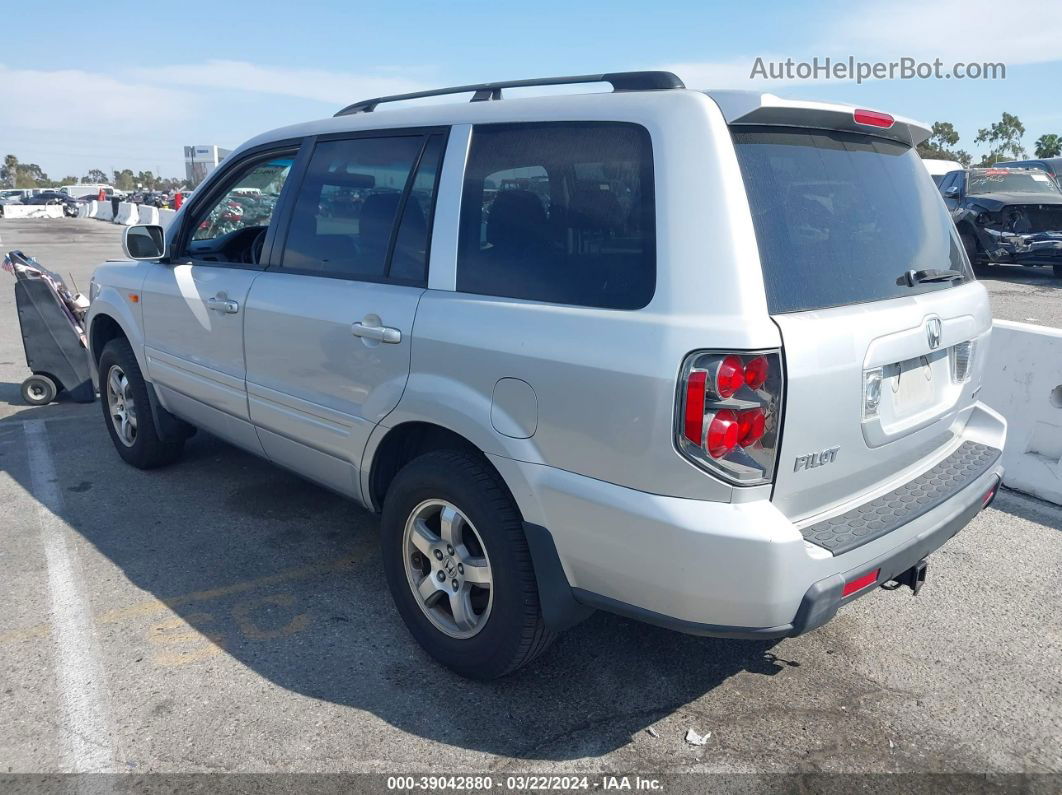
(166, 217)
(93, 208)
(83, 210)
(128, 214)
(104, 211)
(33, 211)
(1023, 381)
(148, 214)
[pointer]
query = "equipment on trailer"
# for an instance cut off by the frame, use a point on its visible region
(52, 321)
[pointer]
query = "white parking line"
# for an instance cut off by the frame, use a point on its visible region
(86, 734)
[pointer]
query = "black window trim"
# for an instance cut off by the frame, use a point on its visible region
(219, 184)
(651, 184)
(275, 263)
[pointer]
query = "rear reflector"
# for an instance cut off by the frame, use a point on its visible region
(859, 584)
(989, 495)
(873, 118)
(693, 426)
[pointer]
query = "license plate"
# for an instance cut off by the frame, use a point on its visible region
(912, 386)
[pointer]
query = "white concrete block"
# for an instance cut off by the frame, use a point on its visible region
(148, 214)
(166, 217)
(104, 211)
(1023, 382)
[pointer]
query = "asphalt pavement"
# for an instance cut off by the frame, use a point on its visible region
(224, 615)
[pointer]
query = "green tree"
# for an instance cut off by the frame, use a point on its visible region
(1003, 139)
(1048, 145)
(9, 172)
(125, 179)
(95, 175)
(938, 146)
(30, 175)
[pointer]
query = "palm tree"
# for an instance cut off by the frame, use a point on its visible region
(1048, 145)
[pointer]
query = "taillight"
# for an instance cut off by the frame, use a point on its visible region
(728, 376)
(873, 118)
(723, 433)
(729, 413)
(756, 371)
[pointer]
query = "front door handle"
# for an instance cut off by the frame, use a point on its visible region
(378, 333)
(224, 305)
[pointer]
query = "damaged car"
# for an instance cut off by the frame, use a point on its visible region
(1007, 215)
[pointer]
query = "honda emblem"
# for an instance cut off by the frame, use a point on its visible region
(933, 331)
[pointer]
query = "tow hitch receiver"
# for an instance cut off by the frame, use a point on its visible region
(914, 578)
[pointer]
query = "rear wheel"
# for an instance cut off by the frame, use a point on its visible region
(39, 390)
(458, 566)
(127, 410)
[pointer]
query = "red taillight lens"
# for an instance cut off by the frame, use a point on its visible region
(723, 433)
(860, 583)
(693, 425)
(751, 425)
(730, 376)
(728, 413)
(756, 372)
(873, 118)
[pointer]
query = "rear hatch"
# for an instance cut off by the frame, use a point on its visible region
(877, 358)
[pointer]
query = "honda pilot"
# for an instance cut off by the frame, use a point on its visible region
(709, 360)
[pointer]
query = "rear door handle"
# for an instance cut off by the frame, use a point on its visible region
(224, 305)
(378, 333)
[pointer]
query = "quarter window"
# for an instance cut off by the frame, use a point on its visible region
(562, 213)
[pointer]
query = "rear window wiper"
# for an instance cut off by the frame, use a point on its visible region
(911, 278)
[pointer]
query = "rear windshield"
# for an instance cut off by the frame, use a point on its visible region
(840, 217)
(999, 180)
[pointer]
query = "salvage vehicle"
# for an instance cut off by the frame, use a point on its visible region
(54, 197)
(709, 360)
(1007, 215)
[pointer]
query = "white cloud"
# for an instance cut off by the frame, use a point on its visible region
(338, 88)
(57, 100)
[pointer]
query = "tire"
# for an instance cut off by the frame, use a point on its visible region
(969, 242)
(143, 448)
(1057, 270)
(39, 390)
(509, 631)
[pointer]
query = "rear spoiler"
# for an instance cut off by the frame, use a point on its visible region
(753, 107)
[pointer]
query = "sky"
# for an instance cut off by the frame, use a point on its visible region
(129, 84)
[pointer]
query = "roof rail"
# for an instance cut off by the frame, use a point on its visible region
(621, 81)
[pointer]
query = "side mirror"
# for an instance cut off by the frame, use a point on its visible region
(952, 192)
(146, 241)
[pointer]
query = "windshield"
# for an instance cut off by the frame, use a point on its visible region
(1001, 180)
(839, 217)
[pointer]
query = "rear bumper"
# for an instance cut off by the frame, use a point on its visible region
(738, 570)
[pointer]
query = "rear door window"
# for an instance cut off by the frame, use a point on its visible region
(561, 212)
(840, 217)
(344, 220)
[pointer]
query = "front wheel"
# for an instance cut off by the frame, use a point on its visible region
(459, 568)
(127, 410)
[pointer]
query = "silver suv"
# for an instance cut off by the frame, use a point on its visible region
(707, 360)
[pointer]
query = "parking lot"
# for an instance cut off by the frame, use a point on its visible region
(224, 615)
